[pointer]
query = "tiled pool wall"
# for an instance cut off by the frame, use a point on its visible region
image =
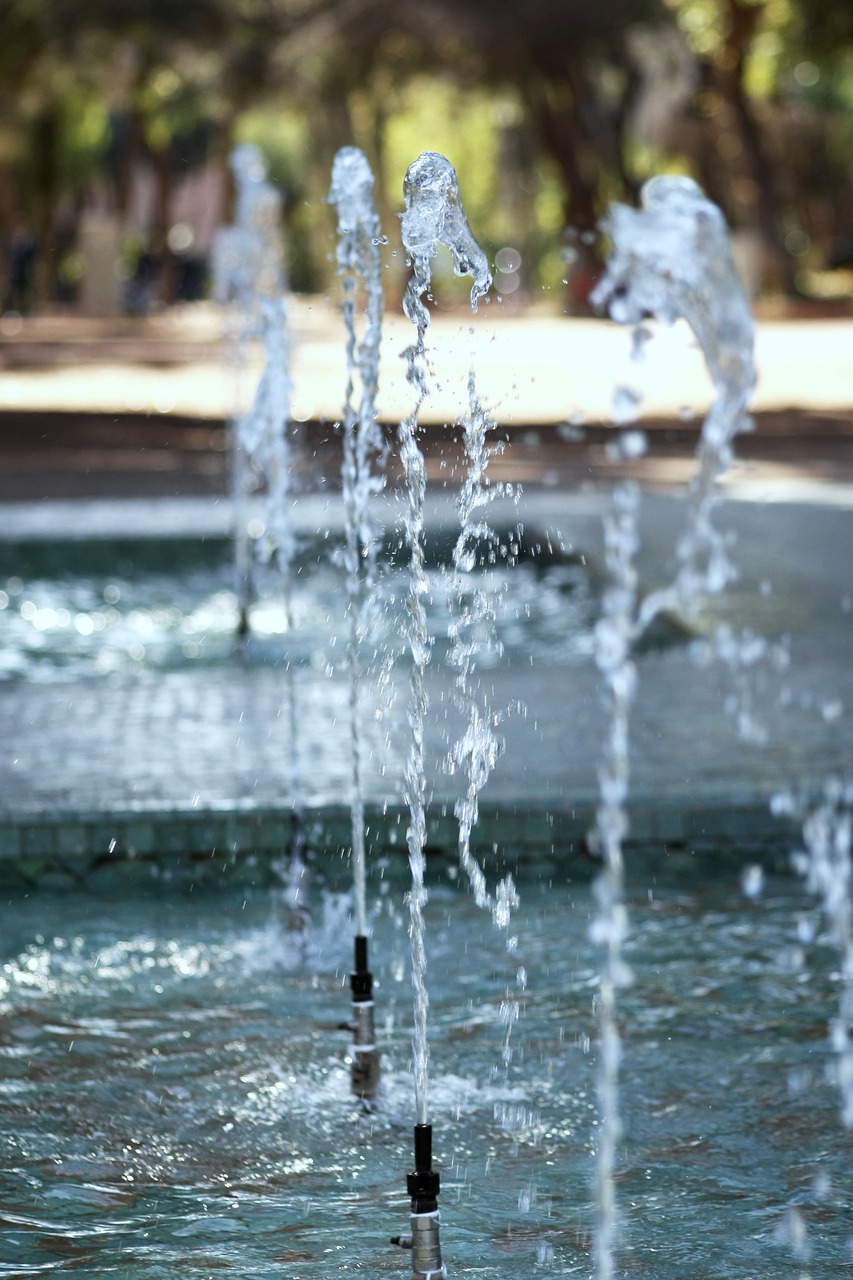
(189, 847)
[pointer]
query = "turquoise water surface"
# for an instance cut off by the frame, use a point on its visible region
(174, 1091)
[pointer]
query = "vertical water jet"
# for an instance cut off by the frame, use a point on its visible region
(610, 926)
(248, 273)
(671, 260)
(360, 267)
(433, 215)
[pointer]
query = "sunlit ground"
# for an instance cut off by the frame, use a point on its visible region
(536, 368)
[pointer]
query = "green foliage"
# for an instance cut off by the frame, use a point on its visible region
(83, 137)
(525, 97)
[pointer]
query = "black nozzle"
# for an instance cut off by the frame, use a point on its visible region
(298, 838)
(424, 1183)
(361, 981)
(423, 1148)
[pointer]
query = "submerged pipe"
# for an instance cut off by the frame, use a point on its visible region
(423, 1186)
(364, 1072)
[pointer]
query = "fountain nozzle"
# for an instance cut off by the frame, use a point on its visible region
(423, 1186)
(364, 1073)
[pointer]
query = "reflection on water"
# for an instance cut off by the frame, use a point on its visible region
(174, 1092)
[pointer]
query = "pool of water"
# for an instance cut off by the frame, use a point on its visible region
(72, 626)
(174, 1093)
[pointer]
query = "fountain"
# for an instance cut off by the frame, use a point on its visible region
(170, 1103)
(359, 238)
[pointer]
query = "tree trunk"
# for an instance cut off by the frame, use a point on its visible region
(164, 177)
(557, 127)
(759, 191)
(12, 220)
(129, 161)
(46, 190)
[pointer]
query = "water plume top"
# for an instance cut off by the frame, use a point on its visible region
(671, 259)
(351, 191)
(434, 216)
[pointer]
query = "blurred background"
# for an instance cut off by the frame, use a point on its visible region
(117, 118)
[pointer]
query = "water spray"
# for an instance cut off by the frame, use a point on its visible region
(422, 1186)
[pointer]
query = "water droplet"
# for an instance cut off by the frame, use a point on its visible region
(624, 406)
(628, 446)
(752, 881)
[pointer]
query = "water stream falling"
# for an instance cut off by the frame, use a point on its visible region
(360, 268)
(472, 636)
(249, 272)
(471, 631)
(671, 260)
(266, 446)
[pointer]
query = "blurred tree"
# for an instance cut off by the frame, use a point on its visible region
(816, 122)
(164, 74)
(760, 152)
(767, 128)
(568, 61)
(573, 68)
(40, 101)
